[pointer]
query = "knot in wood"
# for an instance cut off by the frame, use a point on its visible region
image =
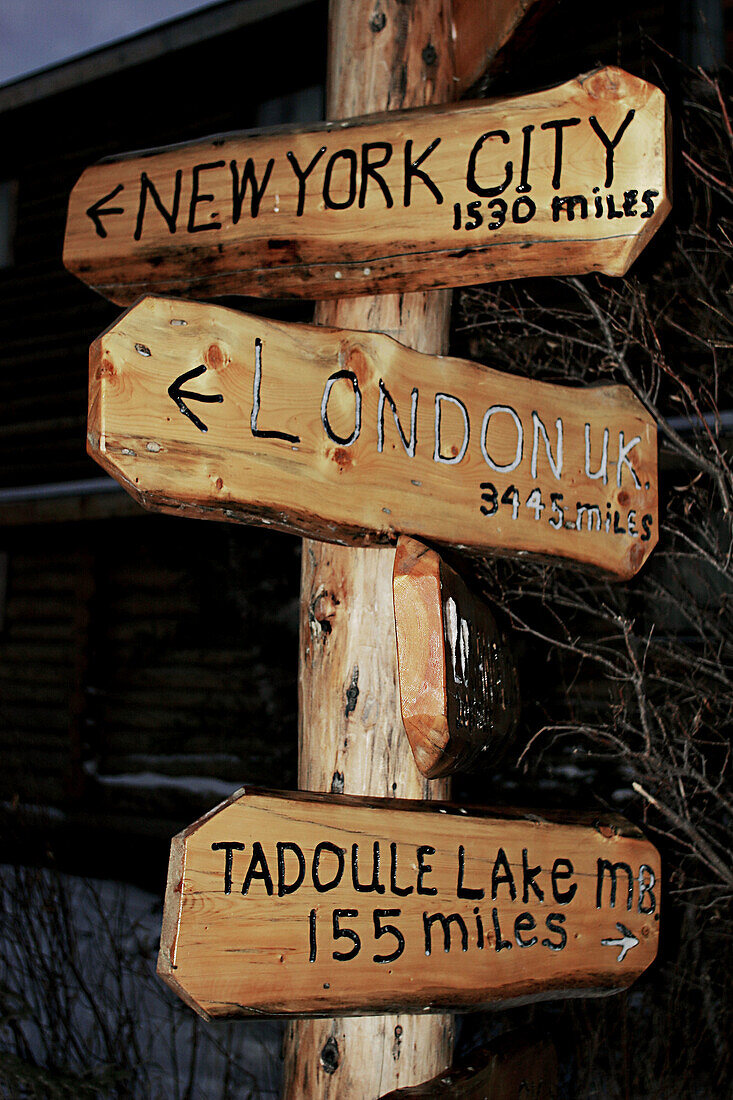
(330, 1056)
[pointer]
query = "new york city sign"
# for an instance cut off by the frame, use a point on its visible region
(563, 181)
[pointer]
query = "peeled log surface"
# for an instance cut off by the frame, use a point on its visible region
(361, 1058)
(514, 1066)
(564, 181)
(458, 681)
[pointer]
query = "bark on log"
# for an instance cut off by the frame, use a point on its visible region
(385, 55)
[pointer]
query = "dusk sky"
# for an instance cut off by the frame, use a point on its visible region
(38, 33)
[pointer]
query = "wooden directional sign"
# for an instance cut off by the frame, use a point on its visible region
(458, 683)
(352, 438)
(308, 904)
(516, 1066)
(567, 180)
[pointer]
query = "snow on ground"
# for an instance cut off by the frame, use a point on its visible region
(79, 993)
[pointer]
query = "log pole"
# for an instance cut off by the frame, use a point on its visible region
(383, 55)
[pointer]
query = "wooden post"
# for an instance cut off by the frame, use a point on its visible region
(384, 55)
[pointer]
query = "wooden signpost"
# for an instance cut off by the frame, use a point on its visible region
(563, 181)
(458, 684)
(350, 437)
(516, 1066)
(307, 904)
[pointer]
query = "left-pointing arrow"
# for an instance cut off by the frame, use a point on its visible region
(98, 208)
(177, 394)
(626, 941)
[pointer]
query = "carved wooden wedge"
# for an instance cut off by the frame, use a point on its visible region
(307, 904)
(351, 437)
(515, 1066)
(567, 180)
(458, 683)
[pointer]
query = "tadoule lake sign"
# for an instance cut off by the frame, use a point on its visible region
(307, 904)
(567, 180)
(350, 437)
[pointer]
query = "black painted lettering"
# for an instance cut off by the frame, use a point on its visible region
(553, 922)
(334, 850)
(254, 415)
(610, 144)
(369, 169)
(647, 199)
(438, 455)
(386, 397)
(529, 874)
(345, 933)
(479, 929)
(523, 210)
(593, 513)
(343, 441)
(456, 216)
(197, 198)
(497, 209)
(471, 182)
(623, 459)
(473, 210)
(525, 922)
(501, 873)
(568, 204)
(617, 528)
(401, 891)
(474, 892)
(506, 469)
(349, 156)
(302, 175)
(500, 944)
(257, 869)
(613, 869)
(387, 930)
(523, 186)
(412, 168)
(227, 846)
(630, 199)
(646, 880)
(539, 429)
(424, 869)
(170, 216)
(283, 886)
(612, 211)
(647, 522)
(375, 886)
(445, 923)
(562, 869)
(558, 125)
(248, 181)
(312, 944)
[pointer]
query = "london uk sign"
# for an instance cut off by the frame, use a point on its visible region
(308, 904)
(352, 438)
(567, 180)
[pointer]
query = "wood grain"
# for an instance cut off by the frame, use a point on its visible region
(567, 180)
(350, 737)
(515, 1066)
(459, 692)
(480, 29)
(350, 437)
(484, 907)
